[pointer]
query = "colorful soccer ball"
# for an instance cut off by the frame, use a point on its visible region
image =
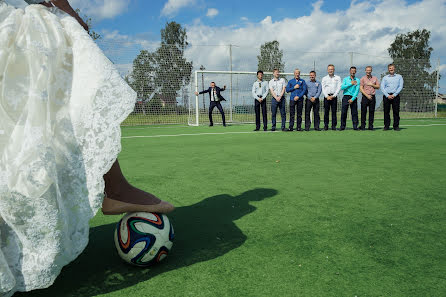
(144, 238)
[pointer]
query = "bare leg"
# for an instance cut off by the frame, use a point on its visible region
(123, 197)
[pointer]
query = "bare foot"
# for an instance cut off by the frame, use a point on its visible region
(122, 197)
(114, 207)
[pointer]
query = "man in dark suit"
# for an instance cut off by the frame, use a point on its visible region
(215, 97)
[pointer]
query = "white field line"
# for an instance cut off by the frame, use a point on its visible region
(247, 132)
(150, 127)
(191, 134)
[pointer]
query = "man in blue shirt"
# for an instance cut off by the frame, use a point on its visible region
(298, 88)
(314, 90)
(391, 86)
(350, 86)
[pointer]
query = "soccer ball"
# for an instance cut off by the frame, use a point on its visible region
(144, 238)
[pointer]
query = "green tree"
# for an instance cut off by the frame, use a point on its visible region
(411, 55)
(158, 76)
(174, 34)
(270, 57)
(94, 35)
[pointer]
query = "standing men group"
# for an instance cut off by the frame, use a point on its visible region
(331, 85)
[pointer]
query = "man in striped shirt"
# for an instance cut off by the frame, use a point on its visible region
(314, 90)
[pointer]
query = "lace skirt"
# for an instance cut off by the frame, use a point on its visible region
(61, 105)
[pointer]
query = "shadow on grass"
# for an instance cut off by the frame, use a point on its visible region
(203, 231)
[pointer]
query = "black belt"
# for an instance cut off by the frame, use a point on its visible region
(390, 93)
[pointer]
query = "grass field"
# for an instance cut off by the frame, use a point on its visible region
(331, 213)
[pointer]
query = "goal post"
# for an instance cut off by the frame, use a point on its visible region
(239, 106)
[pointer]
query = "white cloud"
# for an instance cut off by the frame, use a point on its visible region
(173, 6)
(101, 9)
(212, 12)
(245, 19)
(365, 27)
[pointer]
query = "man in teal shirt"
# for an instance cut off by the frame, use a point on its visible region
(350, 86)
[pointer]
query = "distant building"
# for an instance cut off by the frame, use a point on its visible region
(441, 99)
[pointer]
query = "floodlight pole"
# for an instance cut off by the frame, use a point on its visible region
(436, 92)
(230, 84)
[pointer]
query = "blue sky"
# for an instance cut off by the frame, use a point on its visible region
(145, 17)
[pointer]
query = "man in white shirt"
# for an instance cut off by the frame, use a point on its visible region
(259, 92)
(277, 88)
(331, 86)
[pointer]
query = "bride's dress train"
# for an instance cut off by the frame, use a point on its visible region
(61, 104)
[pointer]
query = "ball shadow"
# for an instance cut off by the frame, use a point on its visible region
(203, 231)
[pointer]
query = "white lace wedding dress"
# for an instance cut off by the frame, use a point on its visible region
(61, 104)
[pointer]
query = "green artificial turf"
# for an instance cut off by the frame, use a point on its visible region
(331, 213)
